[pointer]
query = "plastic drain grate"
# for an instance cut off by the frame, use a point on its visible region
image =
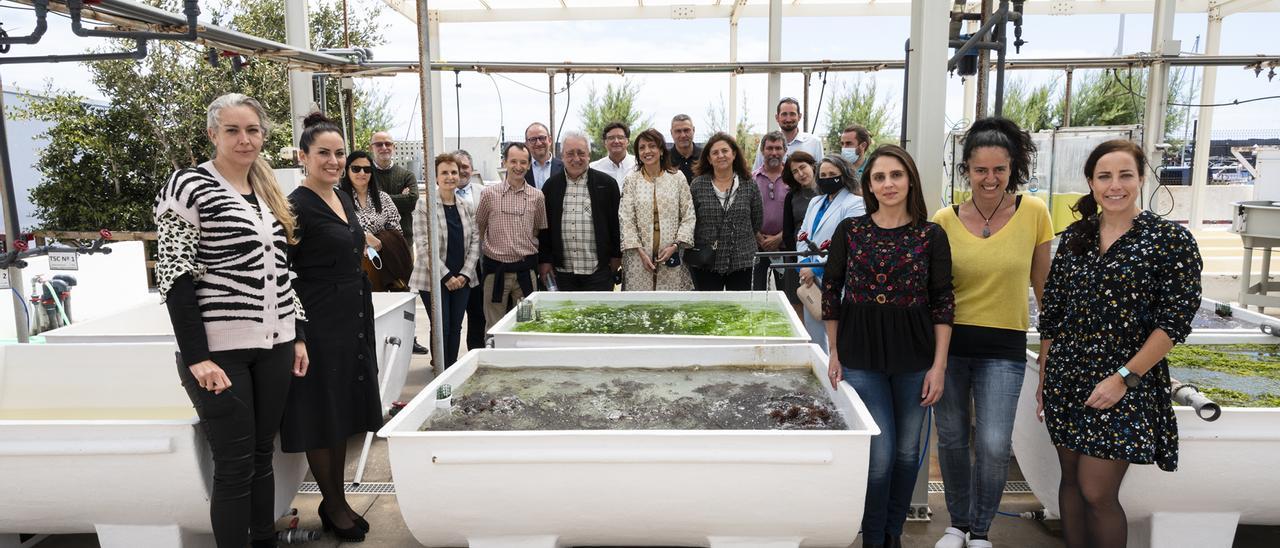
(1012, 487)
(367, 488)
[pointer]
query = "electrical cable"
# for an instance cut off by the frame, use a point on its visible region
(818, 110)
(568, 98)
(542, 91)
(502, 127)
(1129, 87)
(457, 103)
(25, 312)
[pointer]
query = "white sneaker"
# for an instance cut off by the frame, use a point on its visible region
(978, 543)
(952, 538)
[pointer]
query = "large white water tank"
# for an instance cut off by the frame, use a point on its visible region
(1267, 185)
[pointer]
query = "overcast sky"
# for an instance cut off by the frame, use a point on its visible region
(703, 40)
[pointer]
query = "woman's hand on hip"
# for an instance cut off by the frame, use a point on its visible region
(210, 376)
(300, 360)
(934, 381)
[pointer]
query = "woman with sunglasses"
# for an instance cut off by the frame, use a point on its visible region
(374, 207)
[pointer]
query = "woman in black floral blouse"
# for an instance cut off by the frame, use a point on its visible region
(888, 306)
(1122, 291)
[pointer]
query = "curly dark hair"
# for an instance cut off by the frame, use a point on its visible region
(1002, 133)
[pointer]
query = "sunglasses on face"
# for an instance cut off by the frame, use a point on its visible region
(361, 169)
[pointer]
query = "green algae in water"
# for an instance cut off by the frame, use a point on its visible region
(718, 319)
(713, 398)
(1233, 375)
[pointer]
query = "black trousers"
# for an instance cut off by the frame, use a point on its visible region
(600, 280)
(241, 425)
(759, 275)
(475, 315)
(707, 280)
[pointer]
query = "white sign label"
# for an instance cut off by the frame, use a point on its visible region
(61, 260)
(4, 279)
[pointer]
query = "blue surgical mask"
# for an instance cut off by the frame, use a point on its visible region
(373, 257)
(851, 154)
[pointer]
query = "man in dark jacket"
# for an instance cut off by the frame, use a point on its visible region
(580, 247)
(395, 180)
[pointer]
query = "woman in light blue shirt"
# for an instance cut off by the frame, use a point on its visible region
(836, 201)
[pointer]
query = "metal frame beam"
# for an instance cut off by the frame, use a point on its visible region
(1204, 127)
(869, 8)
(1157, 93)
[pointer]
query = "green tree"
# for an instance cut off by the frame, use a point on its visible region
(1032, 107)
(373, 114)
(858, 103)
(746, 136)
(615, 104)
(104, 164)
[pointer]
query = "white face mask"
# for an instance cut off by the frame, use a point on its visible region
(851, 154)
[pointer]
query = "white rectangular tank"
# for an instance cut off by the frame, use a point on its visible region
(393, 316)
(505, 336)
(1226, 475)
(102, 438)
(719, 488)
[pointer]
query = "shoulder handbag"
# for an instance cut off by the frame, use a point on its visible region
(705, 257)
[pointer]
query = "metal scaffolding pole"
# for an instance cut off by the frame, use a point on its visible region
(732, 108)
(11, 232)
(301, 93)
(430, 194)
(1157, 94)
(1204, 127)
(775, 55)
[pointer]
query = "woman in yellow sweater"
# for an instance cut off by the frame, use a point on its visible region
(999, 246)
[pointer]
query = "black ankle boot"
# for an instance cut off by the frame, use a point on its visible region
(891, 541)
(263, 543)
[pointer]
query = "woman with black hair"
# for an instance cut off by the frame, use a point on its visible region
(374, 207)
(999, 244)
(339, 398)
(1123, 290)
(888, 307)
(729, 213)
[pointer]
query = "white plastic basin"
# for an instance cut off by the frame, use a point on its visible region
(505, 336)
(149, 323)
(102, 438)
(1226, 475)
(715, 488)
(1249, 332)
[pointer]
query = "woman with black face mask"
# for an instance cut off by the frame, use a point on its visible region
(836, 201)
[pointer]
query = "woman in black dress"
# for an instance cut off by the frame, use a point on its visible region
(339, 396)
(1122, 291)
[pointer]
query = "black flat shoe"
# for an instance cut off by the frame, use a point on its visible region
(361, 523)
(264, 543)
(350, 534)
(419, 349)
(891, 541)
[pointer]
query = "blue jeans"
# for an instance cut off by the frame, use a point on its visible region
(894, 403)
(973, 492)
(453, 305)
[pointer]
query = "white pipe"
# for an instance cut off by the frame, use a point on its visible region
(1204, 128)
(393, 345)
(1157, 95)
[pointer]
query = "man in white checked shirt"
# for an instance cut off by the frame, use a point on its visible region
(581, 247)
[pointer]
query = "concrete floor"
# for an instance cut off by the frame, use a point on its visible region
(389, 530)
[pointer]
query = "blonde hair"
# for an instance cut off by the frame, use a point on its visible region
(261, 178)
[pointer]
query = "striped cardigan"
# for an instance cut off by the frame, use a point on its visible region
(419, 280)
(238, 263)
(741, 222)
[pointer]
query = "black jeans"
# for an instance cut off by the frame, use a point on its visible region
(600, 280)
(241, 425)
(453, 304)
(707, 280)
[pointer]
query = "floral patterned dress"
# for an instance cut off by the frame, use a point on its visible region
(1099, 310)
(675, 223)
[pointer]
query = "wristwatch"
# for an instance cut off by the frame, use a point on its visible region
(1130, 378)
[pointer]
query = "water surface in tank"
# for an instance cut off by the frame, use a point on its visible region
(723, 319)
(706, 398)
(1233, 375)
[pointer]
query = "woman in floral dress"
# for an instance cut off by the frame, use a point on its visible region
(1122, 291)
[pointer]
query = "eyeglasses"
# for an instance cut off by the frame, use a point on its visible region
(771, 185)
(366, 169)
(383, 144)
(537, 139)
(616, 138)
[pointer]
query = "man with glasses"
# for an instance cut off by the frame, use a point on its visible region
(618, 162)
(395, 180)
(684, 153)
(788, 118)
(542, 162)
(581, 247)
(773, 195)
(509, 217)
